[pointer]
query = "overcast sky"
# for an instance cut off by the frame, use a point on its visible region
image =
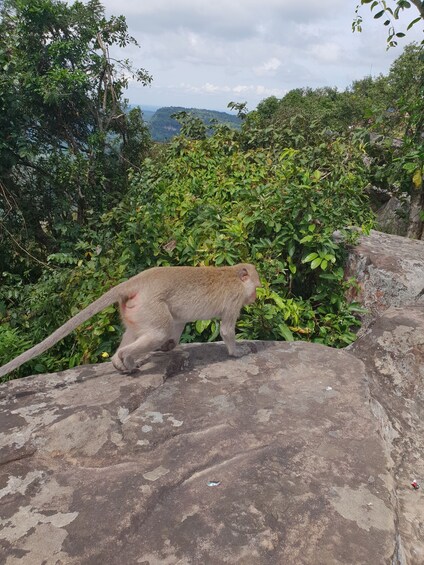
(206, 53)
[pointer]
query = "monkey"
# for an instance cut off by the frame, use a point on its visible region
(155, 306)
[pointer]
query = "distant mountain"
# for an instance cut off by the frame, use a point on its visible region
(148, 114)
(163, 127)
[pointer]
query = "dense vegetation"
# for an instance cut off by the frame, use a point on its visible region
(66, 142)
(386, 112)
(164, 124)
(88, 200)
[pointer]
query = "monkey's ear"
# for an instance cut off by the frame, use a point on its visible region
(244, 275)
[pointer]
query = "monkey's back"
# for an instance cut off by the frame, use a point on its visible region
(192, 293)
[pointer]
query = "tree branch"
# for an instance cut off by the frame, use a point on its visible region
(23, 248)
(420, 6)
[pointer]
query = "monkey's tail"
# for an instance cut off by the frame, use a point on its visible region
(95, 307)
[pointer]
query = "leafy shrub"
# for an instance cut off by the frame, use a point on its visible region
(210, 202)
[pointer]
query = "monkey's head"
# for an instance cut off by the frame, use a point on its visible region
(250, 279)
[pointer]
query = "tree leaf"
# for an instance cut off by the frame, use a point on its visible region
(413, 23)
(316, 263)
(417, 179)
(278, 301)
(202, 325)
(310, 257)
(286, 332)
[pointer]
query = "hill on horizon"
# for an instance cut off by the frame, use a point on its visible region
(163, 127)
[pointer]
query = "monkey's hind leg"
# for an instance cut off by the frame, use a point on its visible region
(127, 338)
(125, 359)
(172, 343)
(157, 331)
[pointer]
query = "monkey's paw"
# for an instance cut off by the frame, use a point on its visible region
(125, 364)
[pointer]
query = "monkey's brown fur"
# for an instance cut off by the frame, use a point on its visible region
(156, 304)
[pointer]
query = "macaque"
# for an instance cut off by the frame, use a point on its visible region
(155, 306)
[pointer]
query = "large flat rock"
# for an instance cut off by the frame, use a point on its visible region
(273, 458)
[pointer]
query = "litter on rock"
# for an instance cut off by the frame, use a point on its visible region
(214, 483)
(415, 485)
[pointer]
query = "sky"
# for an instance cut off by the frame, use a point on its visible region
(207, 53)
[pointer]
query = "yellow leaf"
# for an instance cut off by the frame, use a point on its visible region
(417, 179)
(301, 330)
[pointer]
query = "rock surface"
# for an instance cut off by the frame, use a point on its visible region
(296, 453)
(392, 217)
(273, 458)
(393, 352)
(390, 272)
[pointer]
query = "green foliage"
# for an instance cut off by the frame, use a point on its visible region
(388, 12)
(394, 134)
(191, 125)
(325, 107)
(84, 209)
(386, 112)
(66, 139)
(214, 202)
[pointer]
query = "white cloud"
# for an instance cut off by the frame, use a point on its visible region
(203, 54)
(232, 20)
(326, 52)
(238, 90)
(269, 67)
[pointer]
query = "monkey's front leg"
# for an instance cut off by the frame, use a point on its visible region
(228, 334)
